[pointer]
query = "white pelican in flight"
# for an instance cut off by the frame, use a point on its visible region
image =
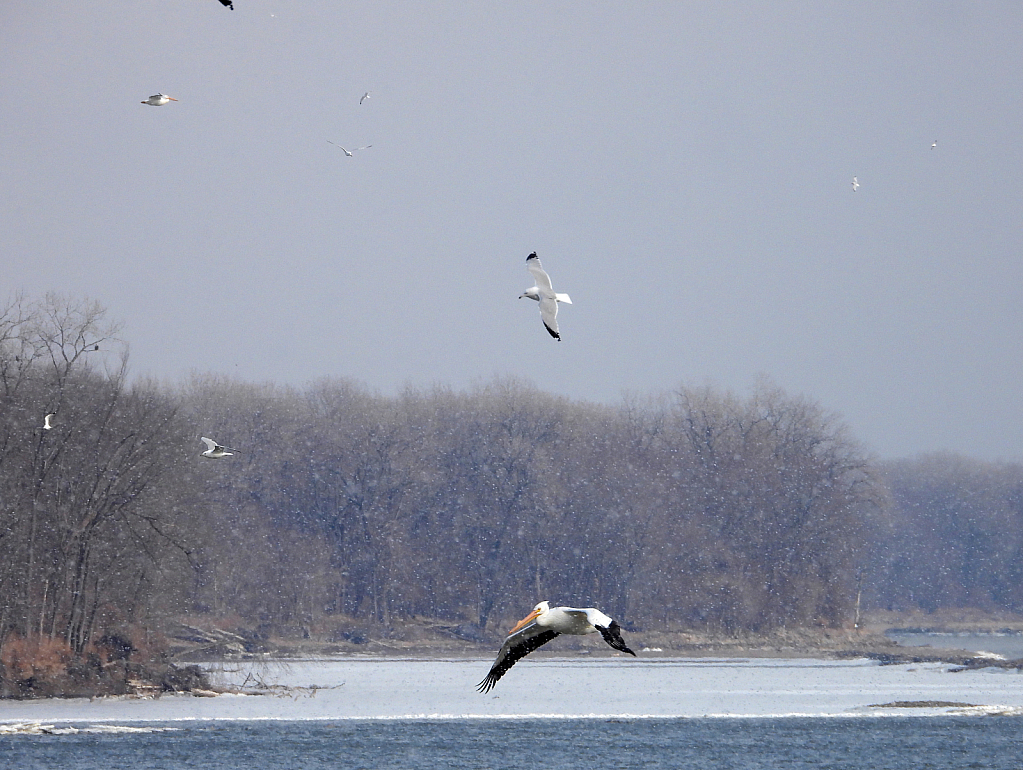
(365, 96)
(543, 624)
(545, 295)
(346, 152)
(215, 451)
(48, 421)
(935, 145)
(158, 99)
(856, 184)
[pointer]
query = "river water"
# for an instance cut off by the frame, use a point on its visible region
(558, 712)
(1007, 644)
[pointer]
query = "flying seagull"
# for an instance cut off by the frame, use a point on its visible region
(214, 450)
(855, 184)
(365, 96)
(543, 624)
(48, 421)
(159, 99)
(545, 295)
(227, 4)
(349, 154)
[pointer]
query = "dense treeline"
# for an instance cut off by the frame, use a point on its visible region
(952, 536)
(695, 509)
(698, 509)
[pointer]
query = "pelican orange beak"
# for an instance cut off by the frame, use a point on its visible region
(530, 617)
(172, 98)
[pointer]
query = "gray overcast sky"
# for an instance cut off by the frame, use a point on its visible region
(683, 170)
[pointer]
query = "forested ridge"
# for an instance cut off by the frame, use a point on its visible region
(695, 509)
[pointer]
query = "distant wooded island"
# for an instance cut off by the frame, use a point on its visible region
(343, 510)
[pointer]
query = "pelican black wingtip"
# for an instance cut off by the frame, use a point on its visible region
(532, 256)
(613, 636)
(487, 684)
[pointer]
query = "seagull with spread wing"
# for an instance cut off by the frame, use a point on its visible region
(543, 293)
(346, 152)
(215, 451)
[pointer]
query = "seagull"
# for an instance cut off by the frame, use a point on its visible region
(855, 184)
(543, 624)
(935, 145)
(214, 450)
(159, 99)
(545, 295)
(349, 154)
(48, 421)
(365, 96)
(227, 4)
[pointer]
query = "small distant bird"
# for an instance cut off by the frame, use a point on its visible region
(346, 152)
(48, 421)
(934, 145)
(543, 293)
(855, 184)
(159, 99)
(543, 624)
(215, 451)
(227, 4)
(365, 96)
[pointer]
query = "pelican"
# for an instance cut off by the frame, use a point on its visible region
(159, 99)
(214, 450)
(365, 96)
(346, 152)
(543, 624)
(855, 184)
(934, 146)
(48, 421)
(545, 295)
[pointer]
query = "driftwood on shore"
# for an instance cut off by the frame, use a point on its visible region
(91, 677)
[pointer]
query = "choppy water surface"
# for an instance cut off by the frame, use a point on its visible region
(749, 743)
(553, 712)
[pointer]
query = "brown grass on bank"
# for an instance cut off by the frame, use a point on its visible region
(44, 667)
(34, 657)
